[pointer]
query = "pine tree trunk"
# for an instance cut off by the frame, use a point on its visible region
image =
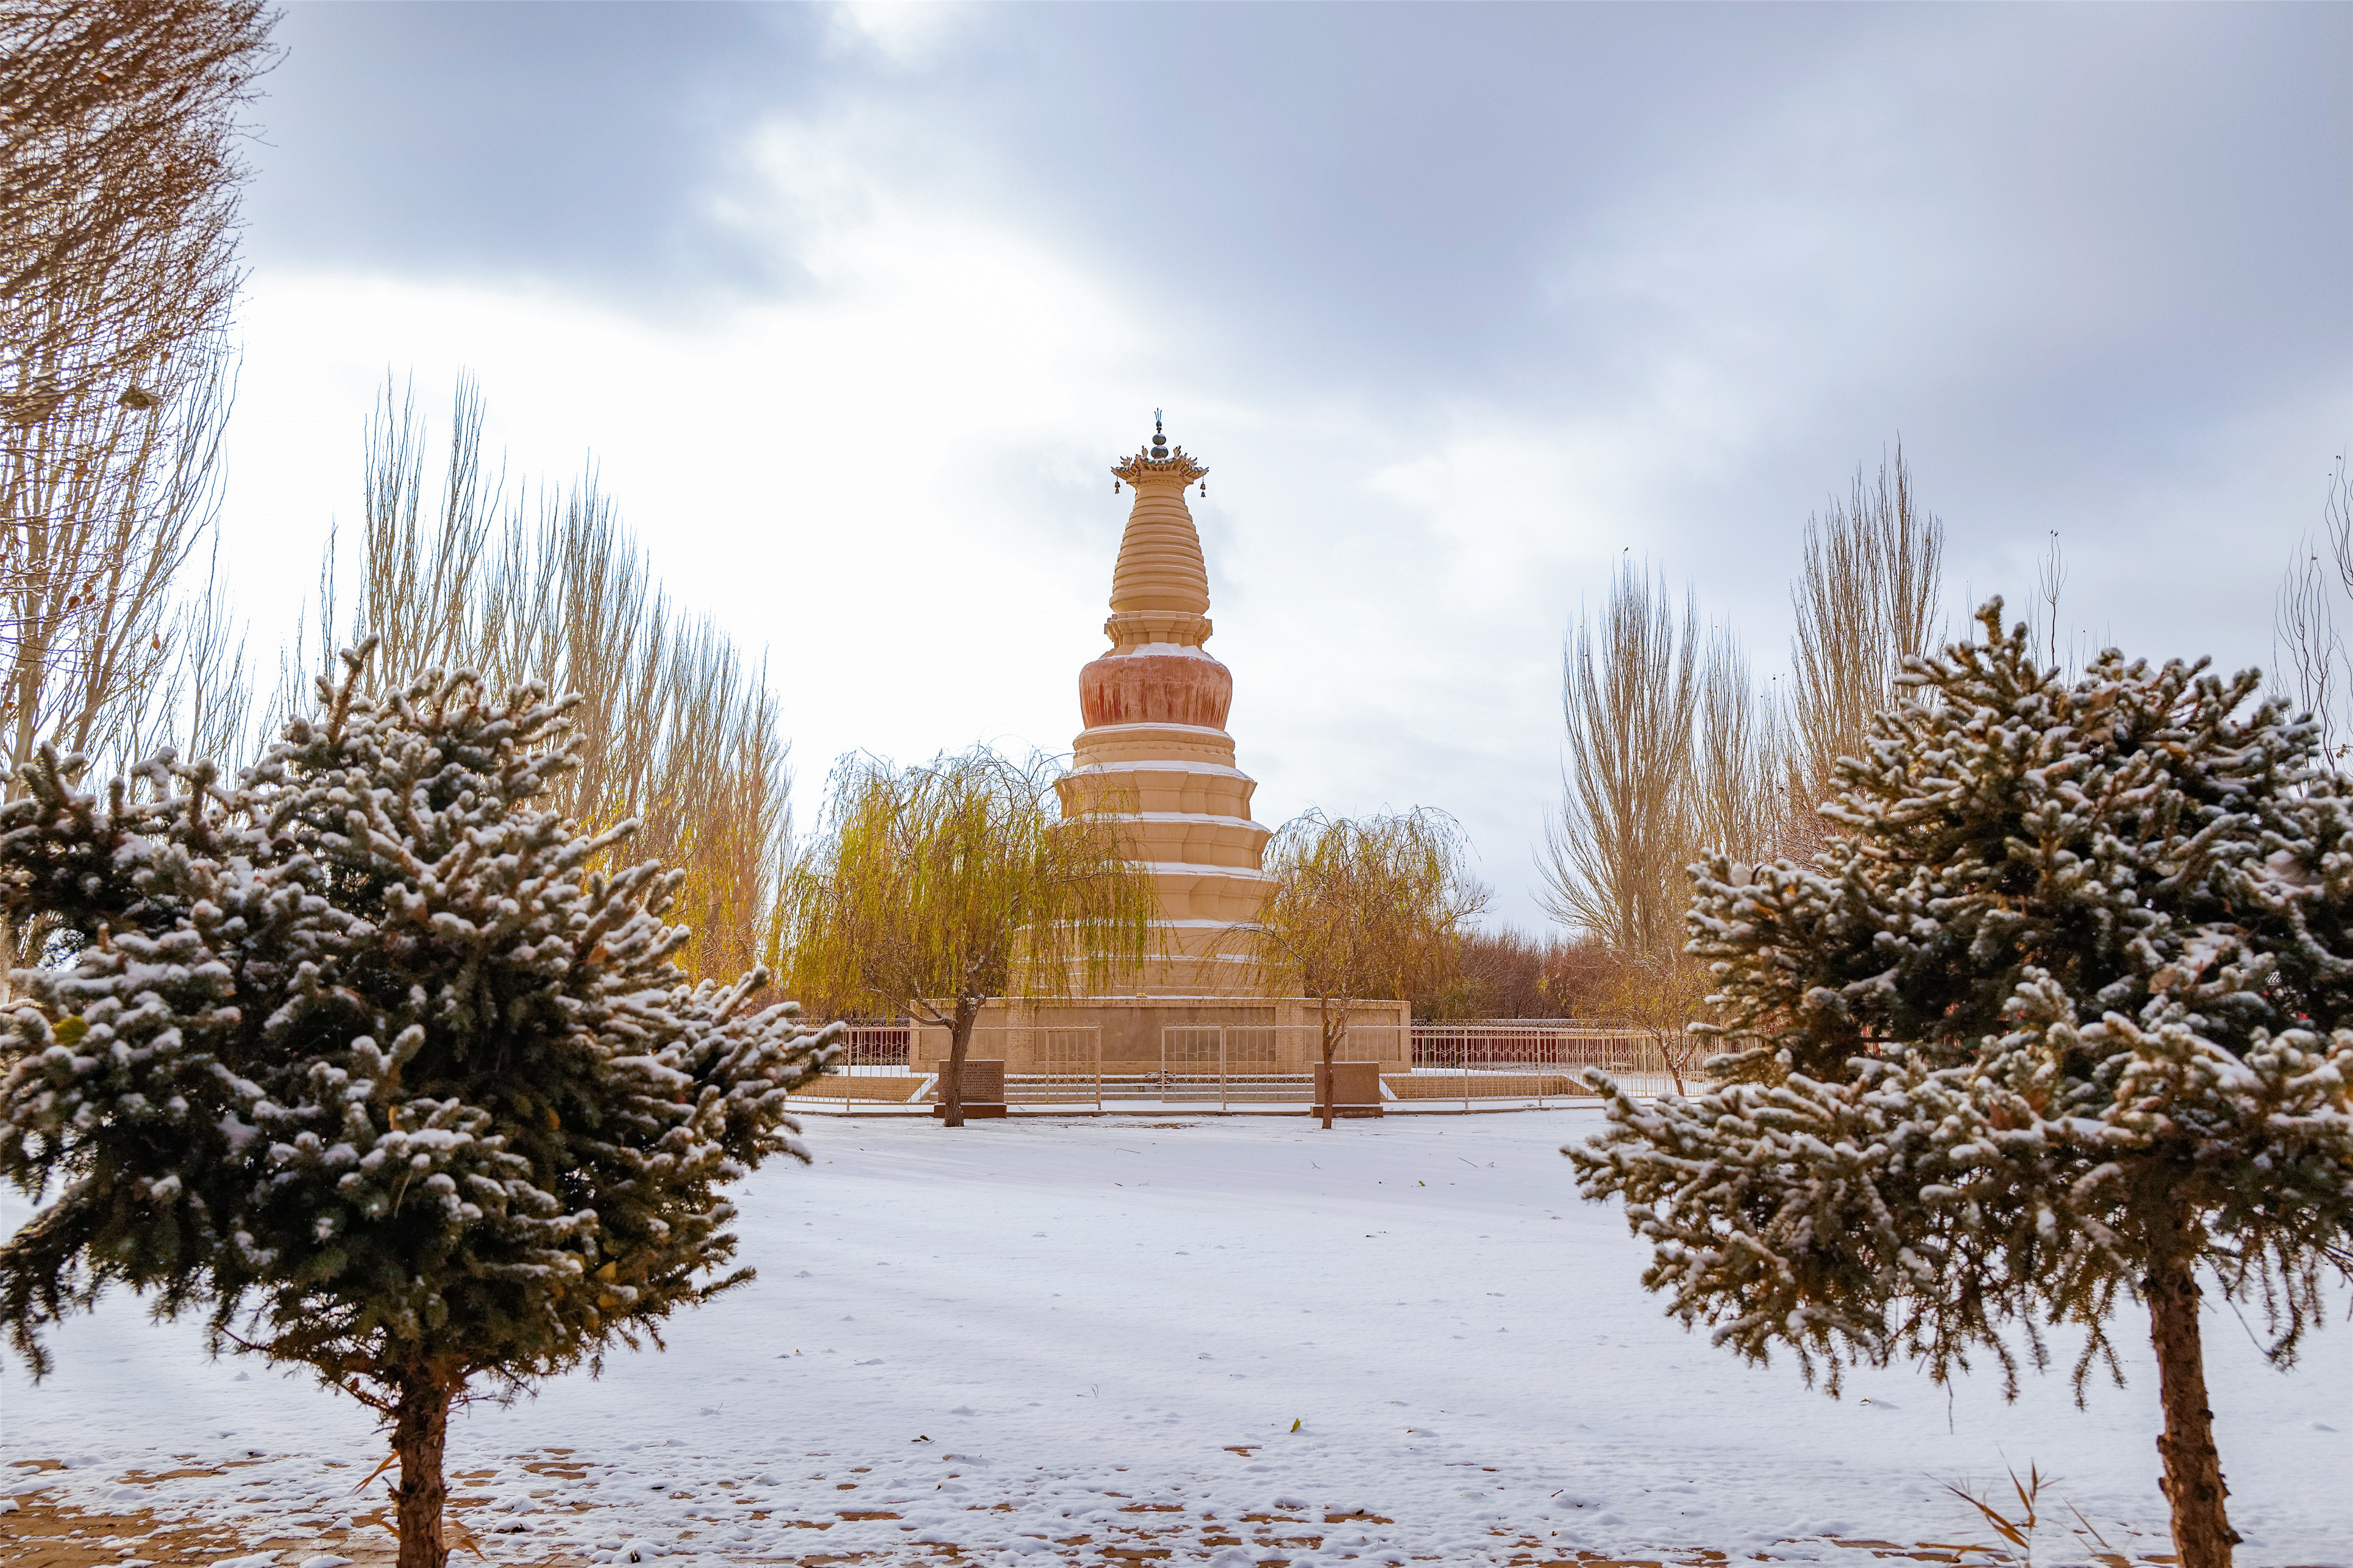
(952, 1080)
(420, 1427)
(2192, 1483)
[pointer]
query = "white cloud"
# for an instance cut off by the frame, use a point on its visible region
(903, 32)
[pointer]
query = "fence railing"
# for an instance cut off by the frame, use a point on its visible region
(1067, 1069)
(1498, 1042)
(1252, 1063)
(874, 1047)
(1487, 1046)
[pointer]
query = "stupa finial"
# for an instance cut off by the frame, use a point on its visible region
(1158, 461)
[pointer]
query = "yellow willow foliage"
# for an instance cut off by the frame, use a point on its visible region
(931, 888)
(1368, 909)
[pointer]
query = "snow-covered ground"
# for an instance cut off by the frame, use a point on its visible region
(1029, 1333)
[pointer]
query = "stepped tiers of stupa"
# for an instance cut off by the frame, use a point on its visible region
(1156, 751)
(1156, 754)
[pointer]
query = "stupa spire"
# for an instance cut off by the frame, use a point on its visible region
(1155, 464)
(1160, 588)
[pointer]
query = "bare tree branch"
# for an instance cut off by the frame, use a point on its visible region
(2305, 638)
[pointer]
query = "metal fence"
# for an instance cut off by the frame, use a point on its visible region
(1203, 1063)
(1543, 1052)
(1072, 1061)
(874, 1047)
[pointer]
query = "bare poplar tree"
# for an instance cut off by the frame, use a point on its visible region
(117, 274)
(1671, 755)
(1740, 804)
(201, 703)
(1613, 860)
(1865, 600)
(424, 580)
(104, 508)
(675, 732)
(118, 270)
(119, 182)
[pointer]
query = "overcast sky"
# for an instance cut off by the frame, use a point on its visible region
(853, 307)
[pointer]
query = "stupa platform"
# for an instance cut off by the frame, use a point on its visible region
(1175, 1036)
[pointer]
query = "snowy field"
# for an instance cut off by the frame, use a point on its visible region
(1043, 1342)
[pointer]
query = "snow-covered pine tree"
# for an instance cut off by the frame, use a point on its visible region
(360, 1058)
(2058, 1018)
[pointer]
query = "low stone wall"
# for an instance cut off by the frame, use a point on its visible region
(1483, 1086)
(843, 1087)
(900, 1089)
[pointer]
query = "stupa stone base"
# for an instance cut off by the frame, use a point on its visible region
(1127, 1036)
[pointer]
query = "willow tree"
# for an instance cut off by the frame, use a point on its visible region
(364, 1060)
(1367, 910)
(2060, 1018)
(933, 888)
